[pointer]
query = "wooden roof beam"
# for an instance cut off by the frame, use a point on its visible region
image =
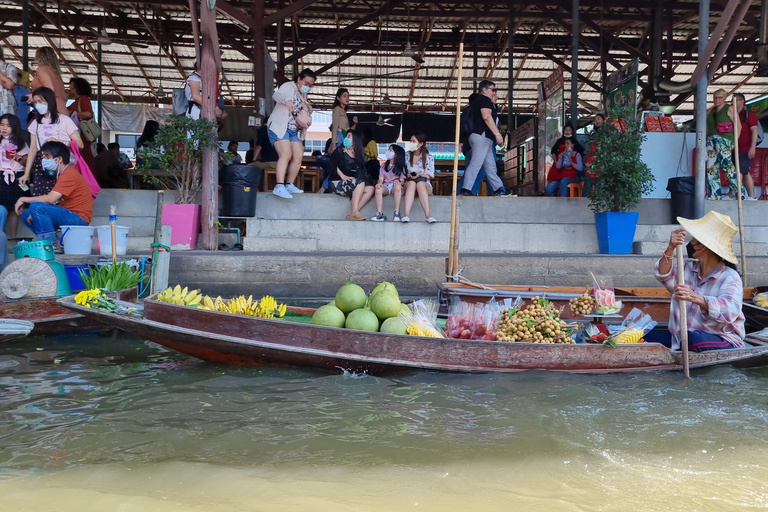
(236, 14)
(465, 24)
(144, 73)
(103, 69)
(173, 58)
(343, 32)
(285, 12)
(551, 56)
(424, 40)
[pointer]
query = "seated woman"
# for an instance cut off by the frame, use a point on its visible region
(712, 286)
(421, 169)
(391, 178)
(565, 171)
(347, 176)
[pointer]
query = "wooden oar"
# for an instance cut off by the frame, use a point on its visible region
(735, 156)
(453, 249)
(680, 279)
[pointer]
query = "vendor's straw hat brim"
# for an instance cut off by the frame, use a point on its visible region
(715, 231)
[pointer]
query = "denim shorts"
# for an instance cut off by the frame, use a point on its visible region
(290, 135)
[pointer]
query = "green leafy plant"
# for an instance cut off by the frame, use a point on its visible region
(618, 175)
(111, 277)
(173, 159)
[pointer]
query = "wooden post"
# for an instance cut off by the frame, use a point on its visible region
(158, 215)
(209, 68)
(735, 153)
(453, 249)
(680, 279)
(163, 263)
(113, 229)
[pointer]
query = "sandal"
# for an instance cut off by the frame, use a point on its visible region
(224, 247)
(237, 247)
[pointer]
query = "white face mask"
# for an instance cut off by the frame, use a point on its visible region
(389, 155)
(413, 146)
(41, 108)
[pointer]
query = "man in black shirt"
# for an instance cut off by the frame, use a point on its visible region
(483, 139)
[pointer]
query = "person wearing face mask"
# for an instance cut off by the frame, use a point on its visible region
(69, 203)
(286, 132)
(391, 179)
(483, 139)
(48, 125)
(420, 167)
(559, 146)
(712, 288)
(347, 175)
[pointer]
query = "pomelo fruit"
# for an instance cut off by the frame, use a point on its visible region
(382, 286)
(404, 308)
(393, 326)
(363, 320)
(329, 316)
(385, 304)
(350, 297)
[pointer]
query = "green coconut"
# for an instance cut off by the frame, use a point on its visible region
(362, 320)
(329, 316)
(385, 304)
(393, 326)
(404, 308)
(350, 297)
(383, 286)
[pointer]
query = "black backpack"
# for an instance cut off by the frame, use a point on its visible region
(467, 121)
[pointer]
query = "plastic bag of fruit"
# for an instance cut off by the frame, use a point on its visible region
(486, 317)
(420, 320)
(635, 326)
(461, 319)
(605, 296)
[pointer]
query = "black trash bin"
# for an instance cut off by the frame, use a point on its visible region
(239, 184)
(683, 197)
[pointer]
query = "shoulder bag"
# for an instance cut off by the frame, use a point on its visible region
(88, 127)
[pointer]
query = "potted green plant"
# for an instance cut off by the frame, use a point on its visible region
(172, 160)
(619, 178)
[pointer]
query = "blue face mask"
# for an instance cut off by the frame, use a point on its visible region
(305, 89)
(347, 143)
(49, 164)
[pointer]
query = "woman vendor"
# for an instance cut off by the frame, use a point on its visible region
(712, 289)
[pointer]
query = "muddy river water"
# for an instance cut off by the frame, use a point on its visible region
(92, 423)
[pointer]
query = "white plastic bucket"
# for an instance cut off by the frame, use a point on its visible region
(76, 239)
(105, 240)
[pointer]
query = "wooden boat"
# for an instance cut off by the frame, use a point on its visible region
(652, 301)
(233, 339)
(10, 329)
(50, 318)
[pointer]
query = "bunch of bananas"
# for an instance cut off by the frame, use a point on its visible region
(761, 300)
(179, 296)
(267, 307)
(631, 335)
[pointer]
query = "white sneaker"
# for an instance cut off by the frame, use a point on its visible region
(280, 191)
(405, 220)
(431, 220)
(748, 198)
(293, 189)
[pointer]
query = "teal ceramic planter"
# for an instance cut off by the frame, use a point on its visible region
(616, 231)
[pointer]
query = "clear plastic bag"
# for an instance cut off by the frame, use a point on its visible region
(605, 296)
(635, 326)
(420, 320)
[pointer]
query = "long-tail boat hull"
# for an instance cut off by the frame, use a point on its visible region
(240, 340)
(11, 329)
(50, 318)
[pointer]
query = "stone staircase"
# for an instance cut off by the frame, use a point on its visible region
(495, 225)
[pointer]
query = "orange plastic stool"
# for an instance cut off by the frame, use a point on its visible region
(575, 189)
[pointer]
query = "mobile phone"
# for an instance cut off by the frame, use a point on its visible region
(24, 187)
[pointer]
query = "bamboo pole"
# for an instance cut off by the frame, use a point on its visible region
(735, 153)
(453, 249)
(680, 279)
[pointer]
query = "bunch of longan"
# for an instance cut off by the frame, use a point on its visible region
(538, 322)
(584, 304)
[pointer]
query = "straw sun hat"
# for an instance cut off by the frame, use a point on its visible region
(715, 231)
